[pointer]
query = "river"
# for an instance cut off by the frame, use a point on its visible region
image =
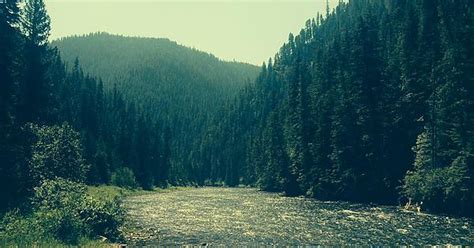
(246, 216)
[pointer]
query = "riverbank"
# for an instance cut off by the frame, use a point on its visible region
(17, 226)
(247, 216)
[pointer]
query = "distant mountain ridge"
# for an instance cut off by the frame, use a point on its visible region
(113, 57)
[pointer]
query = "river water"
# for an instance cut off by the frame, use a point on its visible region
(246, 216)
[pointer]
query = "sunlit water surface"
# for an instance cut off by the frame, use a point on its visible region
(243, 216)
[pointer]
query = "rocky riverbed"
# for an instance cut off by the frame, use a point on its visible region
(246, 216)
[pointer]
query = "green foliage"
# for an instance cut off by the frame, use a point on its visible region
(58, 194)
(353, 92)
(125, 178)
(178, 88)
(36, 23)
(103, 217)
(423, 151)
(61, 225)
(16, 227)
(69, 213)
(106, 192)
(36, 103)
(439, 188)
(63, 211)
(9, 46)
(57, 152)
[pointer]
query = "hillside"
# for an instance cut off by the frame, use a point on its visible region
(157, 71)
(181, 86)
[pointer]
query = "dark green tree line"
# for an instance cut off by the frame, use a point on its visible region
(56, 121)
(371, 103)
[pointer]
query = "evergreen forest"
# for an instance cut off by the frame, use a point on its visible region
(371, 102)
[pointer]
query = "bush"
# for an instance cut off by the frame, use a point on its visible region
(63, 211)
(16, 228)
(57, 203)
(124, 177)
(59, 194)
(61, 225)
(103, 217)
(439, 188)
(57, 152)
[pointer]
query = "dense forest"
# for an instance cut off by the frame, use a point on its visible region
(177, 85)
(63, 123)
(371, 102)
(59, 121)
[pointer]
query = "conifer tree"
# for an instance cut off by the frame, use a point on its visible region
(9, 40)
(35, 85)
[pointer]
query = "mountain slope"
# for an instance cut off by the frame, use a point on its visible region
(181, 86)
(157, 70)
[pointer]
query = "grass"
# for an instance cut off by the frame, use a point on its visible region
(108, 192)
(168, 190)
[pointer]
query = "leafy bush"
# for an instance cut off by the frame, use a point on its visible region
(103, 217)
(17, 228)
(124, 177)
(440, 188)
(60, 224)
(63, 211)
(57, 152)
(57, 203)
(60, 193)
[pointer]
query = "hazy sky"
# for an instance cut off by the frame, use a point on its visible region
(242, 30)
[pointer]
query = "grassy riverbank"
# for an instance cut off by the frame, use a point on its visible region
(57, 216)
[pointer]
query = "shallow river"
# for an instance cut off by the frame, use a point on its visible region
(242, 216)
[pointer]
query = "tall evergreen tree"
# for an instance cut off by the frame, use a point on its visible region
(9, 144)
(35, 84)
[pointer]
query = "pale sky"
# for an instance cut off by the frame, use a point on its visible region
(241, 30)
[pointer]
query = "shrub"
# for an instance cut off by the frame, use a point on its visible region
(60, 224)
(63, 211)
(441, 188)
(59, 194)
(124, 177)
(16, 228)
(57, 152)
(103, 217)
(57, 204)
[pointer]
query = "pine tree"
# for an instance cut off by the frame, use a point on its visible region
(35, 86)
(355, 91)
(9, 39)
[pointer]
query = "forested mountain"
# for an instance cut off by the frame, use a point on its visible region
(179, 86)
(371, 102)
